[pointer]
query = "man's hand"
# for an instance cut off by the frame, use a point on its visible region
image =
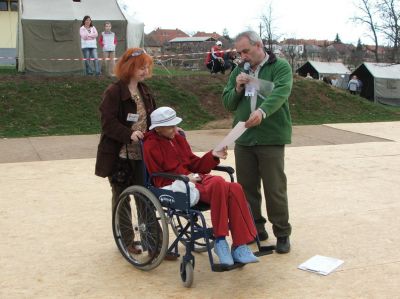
(254, 119)
(241, 80)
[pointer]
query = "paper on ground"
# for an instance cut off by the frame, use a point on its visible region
(232, 136)
(321, 264)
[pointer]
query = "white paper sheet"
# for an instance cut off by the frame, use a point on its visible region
(234, 134)
(321, 264)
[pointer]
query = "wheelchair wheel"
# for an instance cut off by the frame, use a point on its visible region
(178, 223)
(187, 275)
(140, 228)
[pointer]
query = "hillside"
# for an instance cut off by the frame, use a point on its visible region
(37, 105)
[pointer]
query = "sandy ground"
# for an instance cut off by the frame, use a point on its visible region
(56, 239)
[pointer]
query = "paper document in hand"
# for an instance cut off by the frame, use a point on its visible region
(321, 264)
(263, 87)
(232, 136)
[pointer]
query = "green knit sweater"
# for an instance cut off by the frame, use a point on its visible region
(276, 128)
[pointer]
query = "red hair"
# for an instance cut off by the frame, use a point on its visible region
(128, 64)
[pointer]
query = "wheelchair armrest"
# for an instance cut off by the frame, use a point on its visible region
(171, 176)
(227, 169)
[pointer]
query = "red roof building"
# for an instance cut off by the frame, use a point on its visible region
(162, 36)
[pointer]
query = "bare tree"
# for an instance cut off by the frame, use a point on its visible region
(267, 27)
(367, 16)
(390, 16)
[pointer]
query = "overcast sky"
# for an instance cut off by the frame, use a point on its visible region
(319, 19)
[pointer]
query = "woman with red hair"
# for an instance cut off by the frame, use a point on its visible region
(125, 117)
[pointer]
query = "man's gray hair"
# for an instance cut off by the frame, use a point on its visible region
(252, 36)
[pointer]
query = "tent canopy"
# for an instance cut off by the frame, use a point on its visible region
(48, 34)
(318, 69)
(70, 10)
(381, 82)
(384, 70)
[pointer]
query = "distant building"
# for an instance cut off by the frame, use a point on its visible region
(151, 46)
(191, 44)
(161, 36)
(203, 34)
(8, 30)
(313, 42)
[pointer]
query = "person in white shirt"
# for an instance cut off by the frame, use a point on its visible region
(108, 41)
(88, 35)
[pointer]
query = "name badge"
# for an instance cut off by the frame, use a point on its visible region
(132, 117)
(250, 90)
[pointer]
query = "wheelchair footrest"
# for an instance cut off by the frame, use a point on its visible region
(265, 250)
(223, 268)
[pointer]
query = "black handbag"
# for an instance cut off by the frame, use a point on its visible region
(123, 171)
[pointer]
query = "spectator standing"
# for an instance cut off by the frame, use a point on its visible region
(108, 41)
(88, 35)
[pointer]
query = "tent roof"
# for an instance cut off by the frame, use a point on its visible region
(69, 10)
(383, 70)
(329, 67)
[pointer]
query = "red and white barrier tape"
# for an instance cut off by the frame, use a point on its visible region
(83, 59)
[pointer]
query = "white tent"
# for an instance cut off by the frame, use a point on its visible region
(48, 33)
(381, 82)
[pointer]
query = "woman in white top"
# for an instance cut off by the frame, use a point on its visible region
(89, 45)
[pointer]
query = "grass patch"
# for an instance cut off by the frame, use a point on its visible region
(314, 102)
(40, 106)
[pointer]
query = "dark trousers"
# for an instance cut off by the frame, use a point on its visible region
(265, 163)
(215, 66)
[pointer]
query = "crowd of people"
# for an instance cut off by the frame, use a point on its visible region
(129, 114)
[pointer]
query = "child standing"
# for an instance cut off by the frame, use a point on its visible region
(108, 41)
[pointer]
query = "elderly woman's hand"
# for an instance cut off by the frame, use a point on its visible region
(136, 135)
(222, 154)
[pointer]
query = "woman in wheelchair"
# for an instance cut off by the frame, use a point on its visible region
(165, 150)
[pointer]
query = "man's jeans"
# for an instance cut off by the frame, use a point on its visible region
(91, 53)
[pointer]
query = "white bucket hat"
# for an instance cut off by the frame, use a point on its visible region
(164, 117)
(218, 43)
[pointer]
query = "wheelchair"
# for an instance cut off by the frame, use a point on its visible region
(141, 222)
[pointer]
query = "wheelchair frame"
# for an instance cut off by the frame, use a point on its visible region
(155, 209)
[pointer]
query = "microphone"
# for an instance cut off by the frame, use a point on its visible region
(246, 67)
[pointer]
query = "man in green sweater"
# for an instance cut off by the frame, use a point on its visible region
(260, 151)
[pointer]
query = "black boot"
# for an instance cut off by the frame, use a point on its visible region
(282, 245)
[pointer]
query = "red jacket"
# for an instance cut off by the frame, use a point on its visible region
(173, 156)
(217, 52)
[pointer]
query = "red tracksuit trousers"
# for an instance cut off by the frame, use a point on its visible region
(229, 209)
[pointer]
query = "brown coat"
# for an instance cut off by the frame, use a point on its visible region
(115, 129)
